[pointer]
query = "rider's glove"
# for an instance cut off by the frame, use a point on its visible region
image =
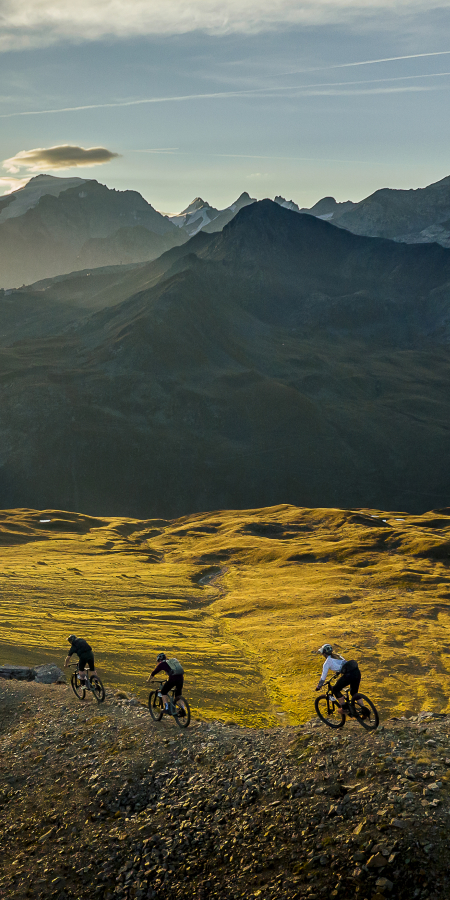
(319, 685)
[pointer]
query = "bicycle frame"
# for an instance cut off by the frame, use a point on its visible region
(87, 681)
(350, 701)
(170, 695)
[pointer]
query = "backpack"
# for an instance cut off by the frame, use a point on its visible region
(176, 667)
(350, 666)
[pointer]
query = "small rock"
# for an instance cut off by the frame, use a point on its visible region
(377, 861)
(383, 884)
(398, 823)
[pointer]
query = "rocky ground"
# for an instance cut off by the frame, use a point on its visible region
(101, 802)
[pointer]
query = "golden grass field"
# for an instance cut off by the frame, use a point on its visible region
(242, 598)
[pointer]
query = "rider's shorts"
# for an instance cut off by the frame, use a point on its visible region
(86, 659)
(352, 680)
(174, 681)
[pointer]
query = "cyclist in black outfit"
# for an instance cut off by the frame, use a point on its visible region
(85, 656)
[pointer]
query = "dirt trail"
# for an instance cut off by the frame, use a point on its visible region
(101, 801)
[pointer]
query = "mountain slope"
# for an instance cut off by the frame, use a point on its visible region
(282, 360)
(47, 239)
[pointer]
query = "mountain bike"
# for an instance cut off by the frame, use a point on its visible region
(178, 707)
(327, 708)
(92, 684)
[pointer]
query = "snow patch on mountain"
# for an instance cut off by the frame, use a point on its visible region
(25, 198)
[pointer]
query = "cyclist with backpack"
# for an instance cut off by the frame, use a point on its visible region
(175, 673)
(349, 676)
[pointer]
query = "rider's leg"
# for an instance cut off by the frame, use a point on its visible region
(92, 670)
(82, 674)
(354, 687)
(336, 690)
(165, 694)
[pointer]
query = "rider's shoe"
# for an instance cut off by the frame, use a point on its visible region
(181, 712)
(364, 712)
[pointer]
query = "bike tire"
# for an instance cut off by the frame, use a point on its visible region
(97, 689)
(155, 706)
(80, 692)
(372, 722)
(333, 719)
(184, 717)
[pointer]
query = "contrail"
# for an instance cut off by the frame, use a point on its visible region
(364, 62)
(265, 91)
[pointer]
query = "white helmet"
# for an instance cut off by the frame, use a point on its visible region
(325, 650)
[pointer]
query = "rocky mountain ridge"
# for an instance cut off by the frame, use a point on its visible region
(54, 225)
(221, 353)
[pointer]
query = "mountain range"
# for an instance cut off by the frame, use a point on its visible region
(54, 225)
(279, 360)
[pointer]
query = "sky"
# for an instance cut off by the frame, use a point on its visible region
(184, 98)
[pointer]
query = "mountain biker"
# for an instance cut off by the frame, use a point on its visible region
(350, 677)
(85, 656)
(175, 671)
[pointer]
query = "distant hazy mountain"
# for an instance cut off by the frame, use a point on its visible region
(329, 209)
(415, 216)
(281, 360)
(18, 202)
(55, 225)
(200, 216)
(195, 216)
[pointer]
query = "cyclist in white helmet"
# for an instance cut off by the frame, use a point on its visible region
(350, 676)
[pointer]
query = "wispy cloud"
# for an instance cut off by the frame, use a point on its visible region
(8, 185)
(27, 23)
(61, 157)
(293, 90)
(363, 62)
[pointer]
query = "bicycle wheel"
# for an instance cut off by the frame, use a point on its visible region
(369, 722)
(155, 706)
(97, 689)
(182, 712)
(78, 690)
(331, 716)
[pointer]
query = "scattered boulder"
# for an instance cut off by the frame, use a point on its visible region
(48, 673)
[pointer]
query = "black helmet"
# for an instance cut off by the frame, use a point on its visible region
(160, 657)
(71, 639)
(326, 650)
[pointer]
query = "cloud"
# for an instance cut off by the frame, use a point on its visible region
(28, 23)
(8, 185)
(62, 157)
(296, 90)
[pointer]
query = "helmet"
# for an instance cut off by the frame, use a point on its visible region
(71, 639)
(326, 650)
(160, 657)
